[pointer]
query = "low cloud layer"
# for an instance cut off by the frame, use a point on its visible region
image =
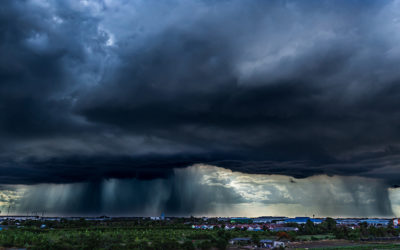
(98, 89)
(207, 190)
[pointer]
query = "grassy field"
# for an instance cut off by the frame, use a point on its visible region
(120, 238)
(157, 238)
(99, 238)
(315, 237)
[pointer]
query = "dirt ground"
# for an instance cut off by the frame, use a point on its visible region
(323, 244)
(334, 243)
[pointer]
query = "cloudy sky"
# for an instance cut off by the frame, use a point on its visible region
(200, 107)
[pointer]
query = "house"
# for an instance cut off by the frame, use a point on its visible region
(265, 243)
(284, 229)
(240, 241)
(279, 244)
(254, 228)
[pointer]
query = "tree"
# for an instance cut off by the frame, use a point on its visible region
(221, 243)
(309, 227)
(282, 235)
(391, 229)
(255, 238)
(364, 229)
(224, 234)
(205, 245)
(188, 245)
(292, 224)
(292, 235)
(354, 235)
(330, 224)
(391, 224)
(341, 232)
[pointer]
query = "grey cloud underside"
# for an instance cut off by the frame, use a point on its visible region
(284, 87)
(180, 194)
(206, 190)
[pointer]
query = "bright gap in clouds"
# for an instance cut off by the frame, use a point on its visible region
(211, 191)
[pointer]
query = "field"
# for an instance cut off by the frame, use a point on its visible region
(111, 238)
(177, 233)
(343, 244)
(315, 237)
(119, 238)
(156, 238)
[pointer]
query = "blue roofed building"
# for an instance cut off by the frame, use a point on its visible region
(376, 222)
(347, 222)
(302, 220)
(241, 220)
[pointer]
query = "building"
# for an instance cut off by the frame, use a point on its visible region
(302, 220)
(241, 220)
(266, 243)
(254, 228)
(224, 219)
(284, 229)
(279, 244)
(271, 244)
(240, 241)
(348, 222)
(376, 222)
(268, 219)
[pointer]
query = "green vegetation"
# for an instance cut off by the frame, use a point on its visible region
(329, 229)
(117, 234)
(138, 233)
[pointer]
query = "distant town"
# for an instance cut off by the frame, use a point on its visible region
(266, 232)
(280, 223)
(275, 223)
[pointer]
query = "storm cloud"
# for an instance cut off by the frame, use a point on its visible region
(97, 89)
(204, 190)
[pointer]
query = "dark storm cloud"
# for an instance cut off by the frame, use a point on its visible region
(35, 69)
(206, 190)
(181, 193)
(102, 89)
